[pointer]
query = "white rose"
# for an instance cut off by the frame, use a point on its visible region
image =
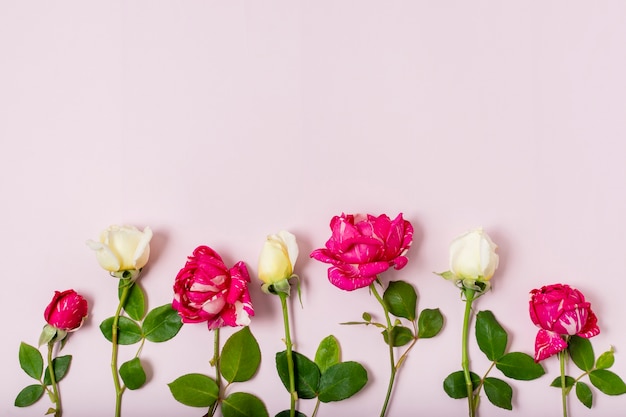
(122, 248)
(473, 256)
(278, 257)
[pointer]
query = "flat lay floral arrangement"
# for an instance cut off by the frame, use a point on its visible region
(364, 253)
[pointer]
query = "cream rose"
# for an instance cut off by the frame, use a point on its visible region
(473, 256)
(122, 248)
(278, 257)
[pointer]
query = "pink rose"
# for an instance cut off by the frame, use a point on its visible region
(66, 311)
(560, 310)
(205, 290)
(363, 246)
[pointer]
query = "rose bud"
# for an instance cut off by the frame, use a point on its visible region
(66, 311)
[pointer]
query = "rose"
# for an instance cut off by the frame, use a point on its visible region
(559, 310)
(122, 248)
(66, 311)
(363, 246)
(206, 290)
(473, 256)
(278, 258)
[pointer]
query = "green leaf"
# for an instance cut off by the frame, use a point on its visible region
(400, 336)
(162, 324)
(31, 360)
(520, 366)
(128, 332)
(306, 373)
(499, 393)
(581, 352)
(29, 395)
(430, 323)
(606, 360)
(60, 365)
(328, 353)
(454, 384)
(342, 381)
(132, 374)
(569, 382)
(287, 413)
(135, 305)
(584, 394)
(401, 299)
(607, 382)
(491, 337)
(241, 356)
(242, 404)
(194, 390)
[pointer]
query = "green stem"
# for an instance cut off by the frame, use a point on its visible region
(563, 385)
(57, 398)
(290, 367)
(469, 298)
(119, 389)
(317, 406)
(218, 376)
(392, 360)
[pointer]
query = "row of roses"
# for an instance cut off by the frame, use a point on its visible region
(360, 249)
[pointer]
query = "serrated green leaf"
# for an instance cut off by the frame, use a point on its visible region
(307, 374)
(135, 305)
(328, 353)
(400, 336)
(128, 332)
(569, 382)
(161, 324)
(520, 366)
(241, 356)
(194, 390)
(584, 394)
(401, 299)
(342, 381)
(499, 393)
(608, 382)
(132, 374)
(605, 360)
(581, 352)
(491, 337)
(454, 384)
(29, 395)
(31, 360)
(60, 365)
(242, 404)
(287, 413)
(429, 323)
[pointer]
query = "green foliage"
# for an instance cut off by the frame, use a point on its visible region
(135, 305)
(499, 393)
(241, 356)
(132, 374)
(520, 366)
(60, 365)
(401, 299)
(31, 360)
(454, 384)
(430, 323)
(491, 337)
(605, 360)
(29, 395)
(569, 382)
(307, 374)
(584, 394)
(128, 332)
(328, 353)
(241, 404)
(607, 382)
(400, 336)
(287, 413)
(581, 352)
(194, 390)
(161, 324)
(341, 381)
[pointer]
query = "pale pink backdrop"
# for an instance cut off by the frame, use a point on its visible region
(220, 122)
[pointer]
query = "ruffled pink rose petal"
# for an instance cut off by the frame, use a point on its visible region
(547, 344)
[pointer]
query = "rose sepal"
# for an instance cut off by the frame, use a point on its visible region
(283, 286)
(50, 333)
(129, 274)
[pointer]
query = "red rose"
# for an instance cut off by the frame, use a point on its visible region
(66, 311)
(560, 310)
(206, 290)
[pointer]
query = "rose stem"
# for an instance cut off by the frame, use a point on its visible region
(119, 390)
(563, 388)
(292, 382)
(57, 398)
(392, 361)
(216, 363)
(469, 298)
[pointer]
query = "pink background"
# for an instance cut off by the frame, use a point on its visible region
(221, 122)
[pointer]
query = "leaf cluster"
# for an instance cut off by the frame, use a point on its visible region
(325, 378)
(581, 353)
(158, 325)
(492, 340)
(239, 361)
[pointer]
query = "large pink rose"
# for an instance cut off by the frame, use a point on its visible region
(363, 246)
(66, 311)
(206, 290)
(560, 310)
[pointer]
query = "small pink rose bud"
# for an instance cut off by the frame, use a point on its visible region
(66, 311)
